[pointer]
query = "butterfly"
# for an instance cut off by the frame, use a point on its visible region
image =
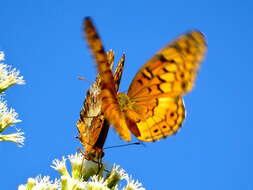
(153, 106)
(92, 125)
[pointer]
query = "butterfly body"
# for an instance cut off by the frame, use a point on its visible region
(124, 101)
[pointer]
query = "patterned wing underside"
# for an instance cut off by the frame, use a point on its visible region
(92, 125)
(110, 106)
(172, 71)
(90, 121)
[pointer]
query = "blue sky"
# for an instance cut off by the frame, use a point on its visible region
(43, 39)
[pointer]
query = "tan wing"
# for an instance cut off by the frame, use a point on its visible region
(155, 92)
(91, 122)
(92, 125)
(172, 70)
(110, 106)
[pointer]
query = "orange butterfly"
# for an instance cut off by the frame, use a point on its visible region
(92, 125)
(153, 107)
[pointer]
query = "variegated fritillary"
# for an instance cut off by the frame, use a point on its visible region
(153, 107)
(92, 125)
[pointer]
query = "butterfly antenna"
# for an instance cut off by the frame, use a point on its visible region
(81, 151)
(142, 144)
(122, 145)
(84, 79)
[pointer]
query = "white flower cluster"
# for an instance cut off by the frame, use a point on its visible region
(86, 175)
(8, 76)
(8, 117)
(40, 183)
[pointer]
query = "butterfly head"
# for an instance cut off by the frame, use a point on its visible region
(94, 154)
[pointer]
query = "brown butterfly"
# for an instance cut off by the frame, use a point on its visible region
(153, 107)
(92, 125)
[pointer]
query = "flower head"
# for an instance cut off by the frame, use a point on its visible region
(14, 137)
(76, 161)
(86, 177)
(40, 183)
(8, 76)
(133, 185)
(60, 166)
(8, 117)
(90, 168)
(97, 183)
(72, 184)
(115, 176)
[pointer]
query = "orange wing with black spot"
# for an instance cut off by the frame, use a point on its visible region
(110, 106)
(157, 88)
(172, 71)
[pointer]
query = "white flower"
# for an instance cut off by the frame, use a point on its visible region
(9, 77)
(72, 184)
(97, 183)
(116, 170)
(90, 168)
(115, 176)
(7, 117)
(77, 157)
(76, 161)
(92, 181)
(14, 137)
(22, 187)
(60, 166)
(1, 56)
(133, 185)
(40, 183)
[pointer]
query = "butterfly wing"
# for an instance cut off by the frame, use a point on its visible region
(157, 88)
(162, 117)
(103, 131)
(92, 125)
(110, 106)
(172, 71)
